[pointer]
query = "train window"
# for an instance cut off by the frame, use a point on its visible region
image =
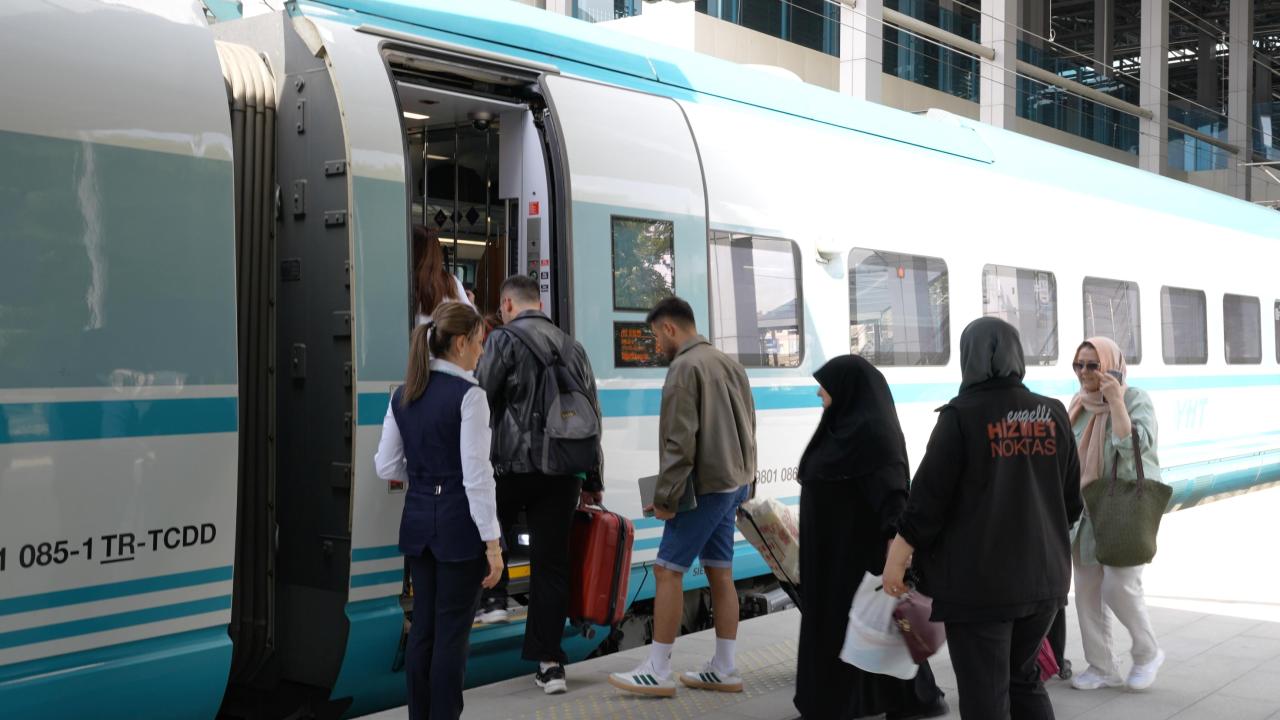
(756, 304)
(1242, 329)
(1027, 299)
(1111, 310)
(1277, 316)
(643, 262)
(1183, 336)
(899, 308)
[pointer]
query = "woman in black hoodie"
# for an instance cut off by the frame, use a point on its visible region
(987, 521)
(854, 475)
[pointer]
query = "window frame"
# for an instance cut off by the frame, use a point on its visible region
(945, 326)
(714, 234)
(1036, 360)
(1276, 313)
(613, 260)
(1137, 329)
(1244, 300)
(1165, 323)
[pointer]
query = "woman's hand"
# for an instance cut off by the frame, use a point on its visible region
(492, 553)
(895, 567)
(1112, 389)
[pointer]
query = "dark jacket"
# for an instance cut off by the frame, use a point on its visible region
(512, 378)
(436, 513)
(992, 502)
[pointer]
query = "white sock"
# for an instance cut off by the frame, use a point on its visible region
(545, 666)
(723, 661)
(660, 658)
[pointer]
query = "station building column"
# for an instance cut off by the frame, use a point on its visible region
(998, 91)
(1153, 90)
(1239, 83)
(862, 49)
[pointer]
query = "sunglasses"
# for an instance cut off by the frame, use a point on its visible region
(1090, 366)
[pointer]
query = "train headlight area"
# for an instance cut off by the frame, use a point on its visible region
(209, 280)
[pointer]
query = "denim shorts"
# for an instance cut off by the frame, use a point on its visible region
(705, 532)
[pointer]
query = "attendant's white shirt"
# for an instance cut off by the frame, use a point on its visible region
(477, 472)
(423, 318)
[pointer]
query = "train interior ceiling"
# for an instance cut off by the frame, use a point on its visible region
(469, 157)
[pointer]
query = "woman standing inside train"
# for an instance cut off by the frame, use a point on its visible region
(436, 435)
(853, 480)
(1104, 414)
(433, 283)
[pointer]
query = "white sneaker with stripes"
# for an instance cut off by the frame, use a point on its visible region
(644, 681)
(709, 678)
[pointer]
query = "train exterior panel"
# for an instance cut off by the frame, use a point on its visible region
(118, 396)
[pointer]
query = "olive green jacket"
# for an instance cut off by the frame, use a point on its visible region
(706, 427)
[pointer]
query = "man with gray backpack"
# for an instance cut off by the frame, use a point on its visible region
(547, 457)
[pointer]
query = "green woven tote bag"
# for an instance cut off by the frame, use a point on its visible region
(1126, 515)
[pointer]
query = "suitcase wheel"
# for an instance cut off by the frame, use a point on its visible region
(1064, 671)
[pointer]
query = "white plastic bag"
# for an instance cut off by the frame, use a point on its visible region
(871, 639)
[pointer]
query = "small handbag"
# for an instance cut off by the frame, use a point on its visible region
(922, 636)
(1126, 515)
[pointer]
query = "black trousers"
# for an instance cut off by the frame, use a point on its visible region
(548, 503)
(996, 672)
(445, 598)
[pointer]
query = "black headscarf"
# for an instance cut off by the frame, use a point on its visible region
(860, 432)
(990, 348)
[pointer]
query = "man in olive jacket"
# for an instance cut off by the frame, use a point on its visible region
(707, 437)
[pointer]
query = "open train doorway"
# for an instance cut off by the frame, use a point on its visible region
(476, 171)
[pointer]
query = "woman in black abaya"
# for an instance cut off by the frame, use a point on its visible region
(854, 476)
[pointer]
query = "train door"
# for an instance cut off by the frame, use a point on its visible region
(637, 229)
(478, 184)
(476, 174)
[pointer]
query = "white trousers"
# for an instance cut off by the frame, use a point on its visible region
(1100, 588)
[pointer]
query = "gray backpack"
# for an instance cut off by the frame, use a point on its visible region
(564, 432)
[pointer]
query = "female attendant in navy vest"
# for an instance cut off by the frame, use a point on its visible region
(436, 436)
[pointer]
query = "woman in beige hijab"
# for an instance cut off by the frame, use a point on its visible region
(1103, 414)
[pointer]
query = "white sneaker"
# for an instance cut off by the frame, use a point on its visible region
(644, 681)
(711, 679)
(1093, 678)
(1143, 676)
(551, 680)
(492, 611)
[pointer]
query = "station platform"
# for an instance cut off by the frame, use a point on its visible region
(1218, 667)
(1213, 595)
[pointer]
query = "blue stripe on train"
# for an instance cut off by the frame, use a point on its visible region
(111, 683)
(106, 419)
(642, 402)
(115, 621)
(93, 593)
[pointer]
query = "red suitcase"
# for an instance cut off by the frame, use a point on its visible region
(601, 557)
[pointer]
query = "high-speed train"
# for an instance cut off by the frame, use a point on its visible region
(205, 299)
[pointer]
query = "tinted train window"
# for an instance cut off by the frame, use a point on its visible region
(1111, 310)
(899, 308)
(1242, 329)
(643, 262)
(1027, 299)
(1183, 336)
(756, 304)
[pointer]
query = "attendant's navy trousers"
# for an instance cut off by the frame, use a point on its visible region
(997, 677)
(446, 596)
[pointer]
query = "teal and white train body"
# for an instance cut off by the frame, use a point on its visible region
(205, 301)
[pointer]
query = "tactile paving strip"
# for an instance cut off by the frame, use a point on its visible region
(764, 670)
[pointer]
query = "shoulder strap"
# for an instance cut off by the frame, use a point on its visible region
(528, 343)
(1137, 463)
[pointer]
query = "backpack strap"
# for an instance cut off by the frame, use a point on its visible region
(529, 343)
(560, 357)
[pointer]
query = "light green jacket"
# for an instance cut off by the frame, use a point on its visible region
(1143, 415)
